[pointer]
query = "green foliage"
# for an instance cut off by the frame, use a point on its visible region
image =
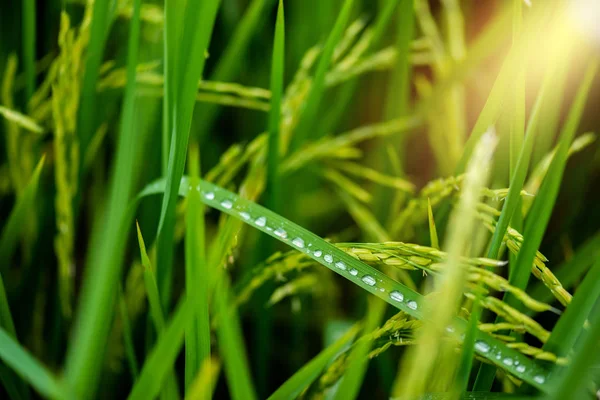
(340, 177)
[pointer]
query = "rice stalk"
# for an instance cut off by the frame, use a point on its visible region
(65, 105)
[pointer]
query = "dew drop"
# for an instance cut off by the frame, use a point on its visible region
(508, 361)
(280, 232)
(397, 296)
(353, 272)
(227, 204)
(381, 289)
(317, 253)
(412, 305)
(482, 346)
(261, 221)
(340, 265)
(369, 280)
(450, 329)
(539, 379)
(328, 258)
(298, 242)
(198, 188)
(245, 215)
(209, 196)
(521, 368)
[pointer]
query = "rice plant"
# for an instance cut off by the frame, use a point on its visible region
(299, 199)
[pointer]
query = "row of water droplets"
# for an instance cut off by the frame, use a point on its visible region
(261, 222)
(484, 348)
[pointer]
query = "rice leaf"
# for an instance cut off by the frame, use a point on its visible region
(127, 336)
(108, 240)
(171, 390)
(398, 96)
(204, 382)
(197, 339)
(503, 83)
(468, 350)
(263, 326)
(195, 39)
(151, 288)
(292, 387)
(29, 45)
(277, 76)
(379, 29)
(571, 323)
(417, 366)
(86, 121)
(310, 109)
(21, 119)
(231, 343)
(540, 212)
(173, 24)
(161, 359)
(29, 368)
(228, 65)
(570, 381)
(366, 277)
(352, 380)
(433, 236)
(517, 120)
(511, 203)
(14, 386)
(16, 220)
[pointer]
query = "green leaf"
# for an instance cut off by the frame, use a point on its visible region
(277, 75)
(417, 369)
(343, 99)
(197, 337)
(21, 119)
(536, 223)
(29, 368)
(228, 65)
(512, 201)
(128, 337)
(156, 312)
(103, 266)
(29, 11)
(433, 236)
(151, 288)
(86, 121)
(199, 19)
(263, 326)
(570, 381)
(16, 220)
(14, 386)
(311, 107)
(174, 12)
(161, 359)
(363, 275)
(353, 377)
(571, 323)
(231, 342)
(477, 396)
(505, 81)
(468, 350)
(398, 96)
(539, 215)
(311, 370)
